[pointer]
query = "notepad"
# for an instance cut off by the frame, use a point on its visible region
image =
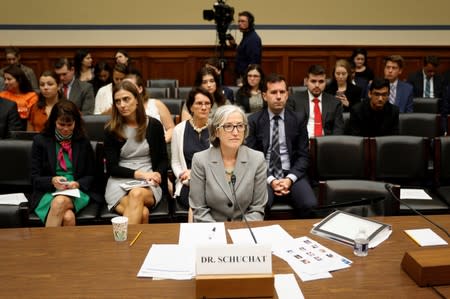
(425, 237)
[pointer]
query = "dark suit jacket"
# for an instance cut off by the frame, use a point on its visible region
(82, 94)
(296, 138)
(332, 120)
(404, 97)
(9, 118)
(367, 123)
(158, 152)
(43, 166)
(416, 80)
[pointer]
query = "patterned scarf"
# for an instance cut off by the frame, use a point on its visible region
(66, 146)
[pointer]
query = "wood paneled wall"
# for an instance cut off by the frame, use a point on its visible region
(291, 61)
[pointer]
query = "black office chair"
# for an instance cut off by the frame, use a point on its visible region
(172, 84)
(174, 105)
(339, 157)
(427, 105)
(183, 92)
(403, 160)
(442, 169)
(295, 89)
(360, 197)
(346, 118)
(95, 126)
(157, 92)
(420, 124)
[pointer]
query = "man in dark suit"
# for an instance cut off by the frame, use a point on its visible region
(375, 116)
(79, 92)
(401, 93)
(9, 118)
(427, 77)
(287, 154)
(329, 108)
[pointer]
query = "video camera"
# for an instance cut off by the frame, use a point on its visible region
(223, 15)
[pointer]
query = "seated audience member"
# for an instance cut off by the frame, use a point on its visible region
(401, 93)
(121, 57)
(249, 96)
(102, 75)
(153, 107)
(135, 149)
(62, 158)
(2, 83)
(322, 111)
(13, 58)
(208, 79)
(375, 116)
(9, 118)
(49, 95)
(216, 65)
(363, 74)
(426, 83)
(342, 87)
(79, 92)
(104, 98)
(281, 135)
(189, 137)
(82, 63)
(229, 176)
(18, 89)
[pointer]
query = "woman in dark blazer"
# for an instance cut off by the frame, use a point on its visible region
(342, 87)
(229, 176)
(62, 159)
(135, 149)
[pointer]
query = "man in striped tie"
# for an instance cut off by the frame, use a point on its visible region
(282, 136)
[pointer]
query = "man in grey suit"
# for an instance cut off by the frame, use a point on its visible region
(79, 92)
(401, 93)
(330, 109)
(282, 137)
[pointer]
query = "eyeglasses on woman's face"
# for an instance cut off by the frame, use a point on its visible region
(229, 127)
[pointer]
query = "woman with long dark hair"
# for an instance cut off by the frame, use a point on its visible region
(49, 95)
(249, 96)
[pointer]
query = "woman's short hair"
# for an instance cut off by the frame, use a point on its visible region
(218, 119)
(69, 112)
(191, 97)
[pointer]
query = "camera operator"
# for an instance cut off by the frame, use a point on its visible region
(249, 49)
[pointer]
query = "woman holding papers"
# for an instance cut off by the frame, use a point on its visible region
(228, 180)
(62, 159)
(190, 136)
(135, 149)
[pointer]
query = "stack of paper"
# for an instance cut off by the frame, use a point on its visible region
(13, 199)
(169, 261)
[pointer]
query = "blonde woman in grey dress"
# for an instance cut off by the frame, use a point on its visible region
(135, 149)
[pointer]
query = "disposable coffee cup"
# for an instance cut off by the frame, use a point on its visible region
(120, 228)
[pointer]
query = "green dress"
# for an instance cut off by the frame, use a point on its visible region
(46, 200)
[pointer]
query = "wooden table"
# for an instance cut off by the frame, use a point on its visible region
(86, 262)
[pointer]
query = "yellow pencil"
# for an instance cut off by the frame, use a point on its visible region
(135, 238)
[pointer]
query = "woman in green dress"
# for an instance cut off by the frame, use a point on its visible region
(62, 160)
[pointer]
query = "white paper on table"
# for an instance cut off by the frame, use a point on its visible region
(380, 238)
(308, 256)
(202, 233)
(68, 192)
(406, 193)
(270, 235)
(425, 237)
(287, 287)
(169, 261)
(12, 199)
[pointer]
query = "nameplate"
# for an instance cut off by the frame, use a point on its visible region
(233, 259)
